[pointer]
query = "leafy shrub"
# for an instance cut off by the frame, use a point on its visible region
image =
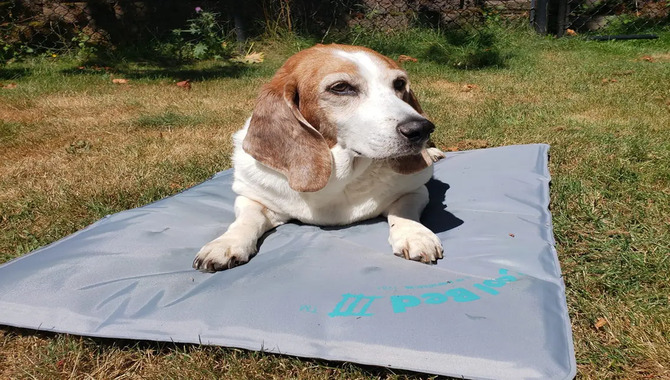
(203, 38)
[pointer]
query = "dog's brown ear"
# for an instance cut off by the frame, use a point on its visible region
(280, 138)
(417, 162)
(411, 99)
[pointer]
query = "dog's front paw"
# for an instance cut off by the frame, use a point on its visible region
(435, 154)
(414, 241)
(224, 253)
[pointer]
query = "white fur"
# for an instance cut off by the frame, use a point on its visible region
(360, 187)
(380, 107)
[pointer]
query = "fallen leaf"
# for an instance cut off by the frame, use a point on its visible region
(405, 58)
(570, 32)
(10, 86)
(185, 84)
(648, 58)
(250, 58)
(120, 81)
(600, 323)
(469, 87)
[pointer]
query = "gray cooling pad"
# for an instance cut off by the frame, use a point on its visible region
(494, 307)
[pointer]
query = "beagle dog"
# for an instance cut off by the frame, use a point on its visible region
(337, 136)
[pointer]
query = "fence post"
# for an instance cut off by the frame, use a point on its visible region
(549, 16)
(239, 20)
(561, 17)
(539, 15)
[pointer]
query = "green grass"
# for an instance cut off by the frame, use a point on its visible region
(603, 106)
(8, 130)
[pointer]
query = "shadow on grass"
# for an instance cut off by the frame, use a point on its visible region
(177, 72)
(462, 49)
(153, 63)
(7, 73)
(221, 71)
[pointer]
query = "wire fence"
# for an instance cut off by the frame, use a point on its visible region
(600, 18)
(623, 17)
(54, 25)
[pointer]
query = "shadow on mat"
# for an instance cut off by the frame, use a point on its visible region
(435, 216)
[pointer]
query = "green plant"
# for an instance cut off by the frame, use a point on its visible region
(84, 47)
(11, 44)
(13, 50)
(203, 38)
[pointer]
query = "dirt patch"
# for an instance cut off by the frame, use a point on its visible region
(662, 57)
(468, 144)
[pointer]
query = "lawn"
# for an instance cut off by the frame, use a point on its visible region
(75, 146)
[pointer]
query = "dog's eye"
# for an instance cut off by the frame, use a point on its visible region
(342, 88)
(399, 84)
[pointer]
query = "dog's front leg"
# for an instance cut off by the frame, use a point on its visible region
(237, 245)
(408, 237)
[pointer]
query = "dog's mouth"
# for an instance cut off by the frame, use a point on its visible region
(411, 148)
(405, 155)
(402, 149)
(410, 151)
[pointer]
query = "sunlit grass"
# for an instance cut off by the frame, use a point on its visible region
(74, 147)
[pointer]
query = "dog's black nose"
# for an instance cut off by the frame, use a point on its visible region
(416, 130)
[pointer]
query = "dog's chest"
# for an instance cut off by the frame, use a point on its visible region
(371, 182)
(359, 188)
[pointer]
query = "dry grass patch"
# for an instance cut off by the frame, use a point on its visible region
(77, 155)
(459, 97)
(46, 356)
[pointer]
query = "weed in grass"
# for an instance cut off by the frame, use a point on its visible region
(204, 37)
(8, 130)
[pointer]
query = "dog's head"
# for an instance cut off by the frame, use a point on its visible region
(337, 94)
